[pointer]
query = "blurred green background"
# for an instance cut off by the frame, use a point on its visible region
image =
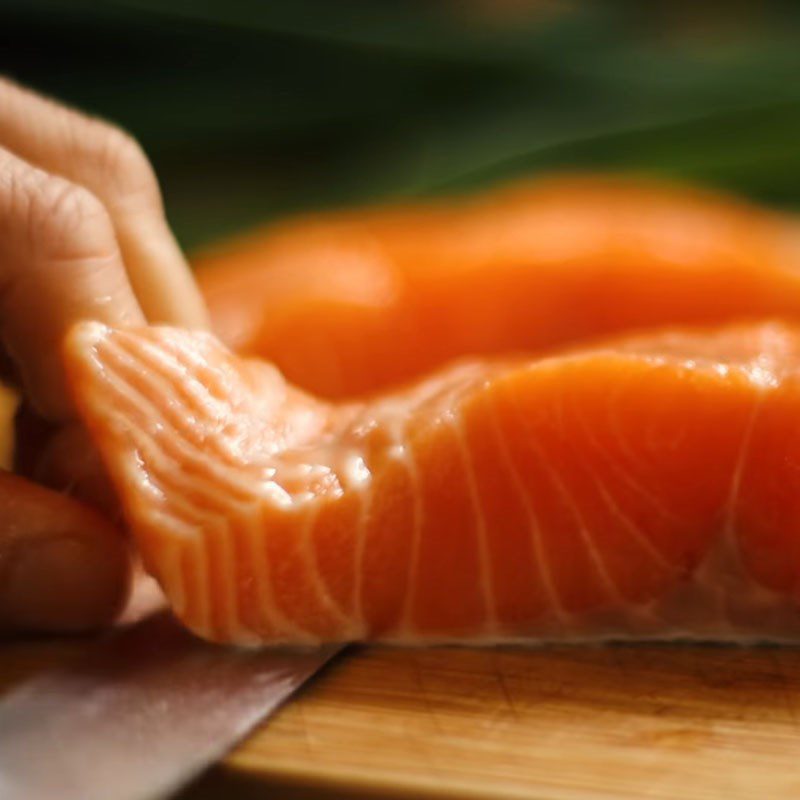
(250, 110)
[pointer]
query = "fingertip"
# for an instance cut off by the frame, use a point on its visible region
(59, 263)
(65, 584)
(63, 567)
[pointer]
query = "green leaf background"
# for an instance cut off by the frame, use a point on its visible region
(252, 110)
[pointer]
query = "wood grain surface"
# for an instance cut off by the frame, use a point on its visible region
(570, 722)
(623, 721)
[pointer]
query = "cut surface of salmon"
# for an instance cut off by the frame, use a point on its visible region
(349, 303)
(642, 488)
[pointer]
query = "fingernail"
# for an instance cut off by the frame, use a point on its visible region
(56, 585)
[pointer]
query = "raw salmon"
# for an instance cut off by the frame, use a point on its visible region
(647, 487)
(349, 303)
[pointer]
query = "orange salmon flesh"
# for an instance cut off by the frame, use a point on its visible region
(646, 487)
(560, 409)
(351, 303)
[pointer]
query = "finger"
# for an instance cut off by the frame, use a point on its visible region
(9, 405)
(62, 566)
(62, 458)
(109, 163)
(59, 263)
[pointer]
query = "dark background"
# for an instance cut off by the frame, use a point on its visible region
(251, 110)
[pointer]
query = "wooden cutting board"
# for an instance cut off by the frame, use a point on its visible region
(626, 721)
(568, 722)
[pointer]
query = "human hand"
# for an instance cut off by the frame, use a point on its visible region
(82, 236)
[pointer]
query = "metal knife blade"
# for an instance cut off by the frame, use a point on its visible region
(139, 715)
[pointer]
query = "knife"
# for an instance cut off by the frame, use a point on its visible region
(140, 714)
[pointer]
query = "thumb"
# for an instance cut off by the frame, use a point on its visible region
(63, 567)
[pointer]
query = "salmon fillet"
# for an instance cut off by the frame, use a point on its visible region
(351, 303)
(647, 487)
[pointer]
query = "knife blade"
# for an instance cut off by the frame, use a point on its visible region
(140, 714)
